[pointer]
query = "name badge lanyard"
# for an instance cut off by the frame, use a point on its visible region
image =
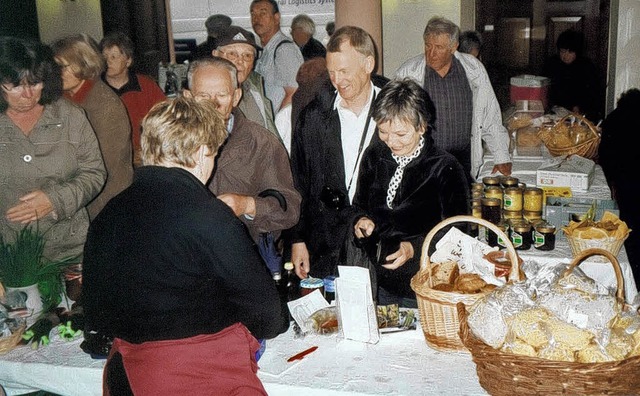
(362, 140)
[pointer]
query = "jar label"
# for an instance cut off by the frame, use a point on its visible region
(516, 239)
(539, 239)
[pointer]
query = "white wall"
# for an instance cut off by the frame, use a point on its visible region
(627, 73)
(403, 22)
(188, 16)
(60, 18)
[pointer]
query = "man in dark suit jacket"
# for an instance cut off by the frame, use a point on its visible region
(328, 142)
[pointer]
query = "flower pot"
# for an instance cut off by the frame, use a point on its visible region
(34, 301)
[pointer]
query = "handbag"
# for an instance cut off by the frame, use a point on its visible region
(353, 253)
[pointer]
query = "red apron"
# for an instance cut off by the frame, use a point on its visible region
(212, 364)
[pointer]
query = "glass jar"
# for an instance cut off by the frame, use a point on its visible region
(494, 192)
(544, 237)
(491, 181)
(491, 210)
(309, 285)
(512, 199)
(494, 239)
(532, 199)
(512, 215)
(509, 181)
(521, 236)
(531, 217)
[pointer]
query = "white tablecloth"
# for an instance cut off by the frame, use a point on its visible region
(400, 364)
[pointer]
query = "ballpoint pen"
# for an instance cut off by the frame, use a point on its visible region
(299, 356)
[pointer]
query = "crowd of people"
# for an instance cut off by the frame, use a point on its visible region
(287, 145)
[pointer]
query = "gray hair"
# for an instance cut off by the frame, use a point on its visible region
(304, 22)
(438, 25)
(214, 61)
(469, 40)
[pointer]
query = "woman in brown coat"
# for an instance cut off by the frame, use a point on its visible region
(82, 64)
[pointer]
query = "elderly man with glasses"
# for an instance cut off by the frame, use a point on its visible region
(238, 46)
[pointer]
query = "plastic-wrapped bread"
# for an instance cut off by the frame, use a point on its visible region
(526, 325)
(557, 351)
(567, 335)
(486, 322)
(519, 347)
(592, 354)
(620, 344)
(586, 311)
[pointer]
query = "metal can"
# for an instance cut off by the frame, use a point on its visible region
(309, 285)
(532, 199)
(512, 199)
(544, 237)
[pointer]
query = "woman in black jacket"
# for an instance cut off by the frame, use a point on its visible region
(407, 185)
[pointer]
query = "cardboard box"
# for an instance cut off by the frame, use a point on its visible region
(559, 211)
(572, 171)
(529, 87)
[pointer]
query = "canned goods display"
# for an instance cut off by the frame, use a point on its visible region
(512, 199)
(544, 237)
(532, 199)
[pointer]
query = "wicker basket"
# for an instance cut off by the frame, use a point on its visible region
(588, 148)
(438, 314)
(7, 344)
(612, 245)
(506, 374)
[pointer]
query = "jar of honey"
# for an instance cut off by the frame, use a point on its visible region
(532, 199)
(491, 181)
(544, 237)
(491, 210)
(494, 192)
(512, 199)
(509, 181)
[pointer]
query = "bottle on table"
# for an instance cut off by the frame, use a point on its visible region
(292, 282)
(282, 293)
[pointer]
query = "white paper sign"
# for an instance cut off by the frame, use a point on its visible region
(357, 319)
(302, 308)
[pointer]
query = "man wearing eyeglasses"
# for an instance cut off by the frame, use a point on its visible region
(252, 161)
(238, 46)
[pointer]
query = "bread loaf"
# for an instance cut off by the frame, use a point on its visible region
(444, 273)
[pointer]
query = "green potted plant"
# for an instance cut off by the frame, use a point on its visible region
(23, 265)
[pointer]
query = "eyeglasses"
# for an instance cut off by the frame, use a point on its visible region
(19, 89)
(233, 56)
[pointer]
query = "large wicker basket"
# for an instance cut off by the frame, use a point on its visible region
(7, 344)
(588, 146)
(506, 374)
(437, 308)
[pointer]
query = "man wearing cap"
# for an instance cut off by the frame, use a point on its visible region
(281, 58)
(238, 46)
(215, 24)
(252, 174)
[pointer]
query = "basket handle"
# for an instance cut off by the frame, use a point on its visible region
(583, 120)
(425, 263)
(614, 262)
